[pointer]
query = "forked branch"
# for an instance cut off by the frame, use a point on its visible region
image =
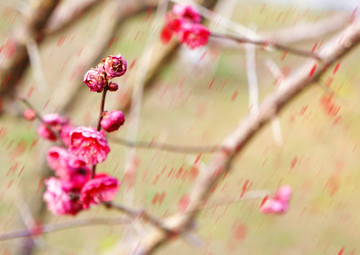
(246, 130)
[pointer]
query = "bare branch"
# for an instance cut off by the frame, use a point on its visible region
(67, 15)
(308, 31)
(266, 43)
(236, 141)
(250, 53)
(49, 228)
(165, 146)
(137, 214)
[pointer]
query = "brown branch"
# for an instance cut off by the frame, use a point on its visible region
(165, 146)
(308, 31)
(236, 141)
(49, 228)
(16, 58)
(266, 43)
(137, 214)
(68, 14)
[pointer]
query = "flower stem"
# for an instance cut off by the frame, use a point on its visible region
(102, 107)
(101, 114)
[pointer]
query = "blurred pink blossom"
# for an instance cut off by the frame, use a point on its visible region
(279, 203)
(60, 201)
(55, 122)
(73, 172)
(187, 12)
(194, 35)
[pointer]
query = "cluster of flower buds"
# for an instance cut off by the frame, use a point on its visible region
(73, 188)
(279, 203)
(97, 79)
(184, 22)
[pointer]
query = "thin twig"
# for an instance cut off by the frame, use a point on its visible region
(266, 43)
(165, 146)
(141, 144)
(137, 214)
(40, 118)
(49, 228)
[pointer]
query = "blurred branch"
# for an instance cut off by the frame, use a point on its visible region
(253, 86)
(126, 9)
(49, 228)
(137, 214)
(275, 122)
(15, 58)
(68, 14)
(265, 44)
(35, 62)
(165, 146)
(308, 31)
(246, 130)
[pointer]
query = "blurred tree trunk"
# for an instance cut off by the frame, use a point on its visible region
(15, 53)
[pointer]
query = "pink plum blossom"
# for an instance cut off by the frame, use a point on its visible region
(194, 35)
(89, 145)
(73, 172)
(115, 66)
(58, 200)
(95, 79)
(187, 12)
(65, 134)
(55, 122)
(100, 189)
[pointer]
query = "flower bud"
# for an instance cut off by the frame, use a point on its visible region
(95, 79)
(113, 86)
(29, 114)
(112, 121)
